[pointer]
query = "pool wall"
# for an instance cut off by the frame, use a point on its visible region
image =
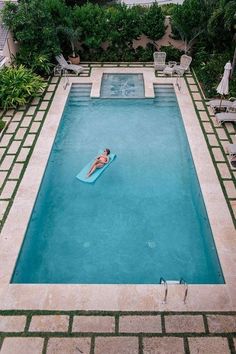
(118, 297)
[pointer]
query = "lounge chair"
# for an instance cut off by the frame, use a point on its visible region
(185, 62)
(225, 117)
(159, 60)
(224, 104)
(231, 148)
(64, 65)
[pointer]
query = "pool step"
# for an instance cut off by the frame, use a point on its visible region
(80, 94)
(164, 96)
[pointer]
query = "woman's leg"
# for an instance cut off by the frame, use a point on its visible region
(94, 167)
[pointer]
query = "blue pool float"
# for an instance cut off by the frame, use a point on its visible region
(82, 176)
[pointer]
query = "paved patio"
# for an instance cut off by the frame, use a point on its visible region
(64, 332)
(111, 332)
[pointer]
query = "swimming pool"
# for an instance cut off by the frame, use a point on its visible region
(142, 220)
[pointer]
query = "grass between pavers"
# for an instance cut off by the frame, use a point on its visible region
(210, 146)
(25, 163)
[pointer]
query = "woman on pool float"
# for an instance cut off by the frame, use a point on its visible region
(99, 162)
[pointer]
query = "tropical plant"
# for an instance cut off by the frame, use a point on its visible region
(18, 85)
(71, 30)
(190, 20)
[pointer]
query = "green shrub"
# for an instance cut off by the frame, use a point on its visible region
(18, 85)
(2, 125)
(209, 70)
(145, 54)
(172, 53)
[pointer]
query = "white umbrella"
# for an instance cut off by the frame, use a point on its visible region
(223, 87)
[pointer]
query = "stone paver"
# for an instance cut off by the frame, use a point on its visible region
(233, 205)
(20, 133)
(7, 162)
(17, 116)
(48, 96)
(26, 121)
(43, 106)
(2, 152)
(184, 324)
(213, 345)
(221, 134)
(197, 96)
(139, 324)
(221, 323)
(8, 190)
(212, 140)
(55, 323)
(35, 101)
(39, 116)
(208, 127)
(218, 155)
(230, 189)
(199, 106)
(5, 139)
(23, 154)
(22, 345)
(116, 345)
(2, 177)
(230, 127)
(165, 345)
(16, 171)
(224, 170)
(14, 147)
(35, 127)
(204, 116)
(12, 127)
(190, 80)
(12, 323)
(68, 345)
(31, 110)
(51, 87)
(93, 324)
(3, 208)
(193, 87)
(29, 140)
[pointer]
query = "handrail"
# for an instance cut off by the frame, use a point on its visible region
(162, 281)
(182, 281)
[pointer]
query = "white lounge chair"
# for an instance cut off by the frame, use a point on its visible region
(64, 65)
(159, 60)
(231, 148)
(224, 104)
(225, 117)
(185, 62)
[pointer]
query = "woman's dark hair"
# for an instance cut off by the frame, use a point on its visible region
(108, 151)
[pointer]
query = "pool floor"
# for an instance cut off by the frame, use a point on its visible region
(143, 219)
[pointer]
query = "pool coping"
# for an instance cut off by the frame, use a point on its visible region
(119, 297)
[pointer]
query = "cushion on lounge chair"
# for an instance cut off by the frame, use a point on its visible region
(225, 117)
(231, 148)
(218, 103)
(63, 63)
(82, 176)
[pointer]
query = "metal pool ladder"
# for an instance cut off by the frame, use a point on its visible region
(181, 282)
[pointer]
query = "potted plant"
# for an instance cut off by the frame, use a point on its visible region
(72, 33)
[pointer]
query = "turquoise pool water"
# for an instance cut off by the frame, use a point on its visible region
(143, 219)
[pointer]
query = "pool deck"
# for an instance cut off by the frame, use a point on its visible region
(25, 148)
